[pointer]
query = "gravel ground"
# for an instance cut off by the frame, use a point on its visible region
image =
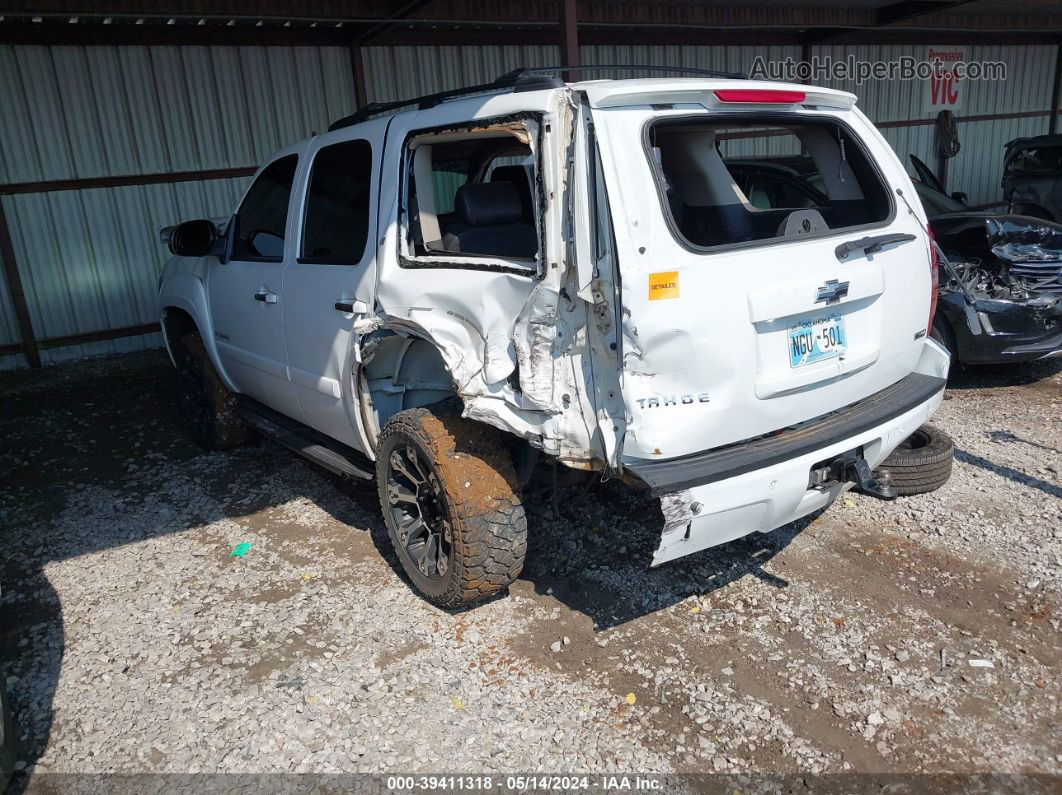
(850, 641)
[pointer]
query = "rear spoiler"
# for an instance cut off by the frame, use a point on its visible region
(721, 96)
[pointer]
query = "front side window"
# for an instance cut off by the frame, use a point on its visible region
(336, 224)
(471, 195)
(262, 219)
(726, 182)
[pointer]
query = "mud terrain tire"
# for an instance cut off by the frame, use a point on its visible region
(457, 478)
(922, 462)
(207, 407)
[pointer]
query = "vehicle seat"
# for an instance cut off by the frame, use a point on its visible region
(517, 176)
(490, 221)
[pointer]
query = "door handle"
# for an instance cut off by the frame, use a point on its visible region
(265, 297)
(351, 306)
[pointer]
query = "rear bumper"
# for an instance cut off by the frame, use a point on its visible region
(773, 496)
(720, 495)
(710, 466)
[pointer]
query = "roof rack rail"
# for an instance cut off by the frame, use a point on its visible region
(523, 79)
(516, 80)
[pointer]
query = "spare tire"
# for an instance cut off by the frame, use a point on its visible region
(921, 463)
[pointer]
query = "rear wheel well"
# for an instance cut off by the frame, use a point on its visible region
(400, 372)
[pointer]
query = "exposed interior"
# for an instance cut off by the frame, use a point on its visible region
(724, 183)
(472, 194)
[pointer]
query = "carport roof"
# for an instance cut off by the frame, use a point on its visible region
(517, 21)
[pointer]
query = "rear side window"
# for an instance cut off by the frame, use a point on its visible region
(262, 218)
(471, 195)
(726, 182)
(336, 226)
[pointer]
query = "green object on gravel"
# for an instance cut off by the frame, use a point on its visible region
(240, 550)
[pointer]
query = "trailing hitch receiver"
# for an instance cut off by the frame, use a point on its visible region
(851, 467)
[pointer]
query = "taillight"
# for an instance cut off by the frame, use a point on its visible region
(763, 96)
(934, 279)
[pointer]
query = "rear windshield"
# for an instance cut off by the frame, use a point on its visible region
(727, 182)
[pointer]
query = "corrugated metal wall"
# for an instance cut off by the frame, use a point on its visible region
(8, 325)
(89, 258)
(978, 167)
(393, 72)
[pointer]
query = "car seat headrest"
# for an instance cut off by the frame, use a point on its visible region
(488, 204)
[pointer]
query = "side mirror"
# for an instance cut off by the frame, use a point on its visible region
(960, 197)
(194, 238)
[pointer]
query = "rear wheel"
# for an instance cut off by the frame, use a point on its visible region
(922, 462)
(449, 497)
(207, 406)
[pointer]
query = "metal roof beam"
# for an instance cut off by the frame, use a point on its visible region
(909, 9)
(399, 12)
(889, 15)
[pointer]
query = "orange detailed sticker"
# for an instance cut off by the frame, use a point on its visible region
(663, 285)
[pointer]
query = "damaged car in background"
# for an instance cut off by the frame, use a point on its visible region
(1000, 290)
(1000, 283)
(441, 292)
(1032, 176)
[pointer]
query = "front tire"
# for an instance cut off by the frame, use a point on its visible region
(207, 407)
(449, 496)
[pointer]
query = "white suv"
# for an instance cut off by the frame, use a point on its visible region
(618, 275)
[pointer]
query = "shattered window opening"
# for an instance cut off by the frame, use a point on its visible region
(721, 183)
(483, 202)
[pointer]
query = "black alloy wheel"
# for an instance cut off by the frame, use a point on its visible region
(418, 508)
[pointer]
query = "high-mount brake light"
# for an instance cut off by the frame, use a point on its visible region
(760, 96)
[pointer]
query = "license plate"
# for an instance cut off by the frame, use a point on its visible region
(816, 339)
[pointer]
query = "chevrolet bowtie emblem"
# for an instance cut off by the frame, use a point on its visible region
(832, 291)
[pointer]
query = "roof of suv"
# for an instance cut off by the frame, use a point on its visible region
(625, 92)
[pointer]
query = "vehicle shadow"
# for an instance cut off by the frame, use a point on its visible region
(595, 558)
(101, 437)
(1009, 437)
(1010, 473)
(73, 436)
(1001, 375)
